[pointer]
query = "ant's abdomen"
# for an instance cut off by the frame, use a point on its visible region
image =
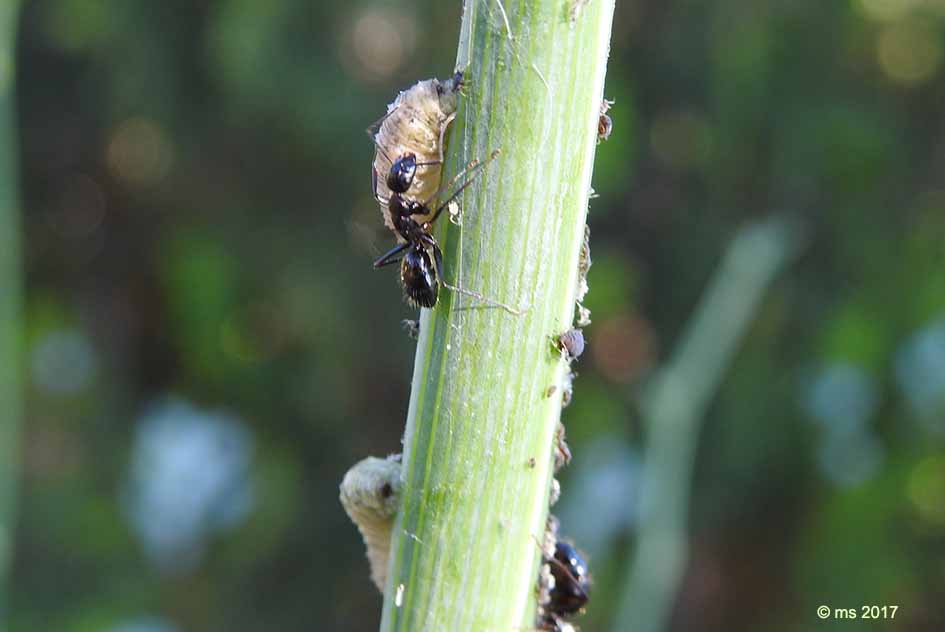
(418, 277)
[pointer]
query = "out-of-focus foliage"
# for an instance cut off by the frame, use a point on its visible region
(10, 290)
(207, 343)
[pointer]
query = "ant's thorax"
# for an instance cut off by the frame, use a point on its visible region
(402, 212)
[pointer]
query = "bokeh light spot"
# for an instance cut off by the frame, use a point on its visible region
(886, 10)
(146, 624)
(606, 487)
(623, 347)
(139, 153)
(842, 397)
(926, 489)
(920, 374)
(379, 43)
(848, 460)
(63, 362)
(909, 52)
(190, 477)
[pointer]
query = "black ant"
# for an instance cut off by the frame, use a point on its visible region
(569, 594)
(420, 274)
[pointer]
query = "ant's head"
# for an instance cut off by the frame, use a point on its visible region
(401, 173)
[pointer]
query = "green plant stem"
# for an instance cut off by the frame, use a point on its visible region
(674, 407)
(9, 294)
(478, 443)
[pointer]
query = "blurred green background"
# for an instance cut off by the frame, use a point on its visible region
(207, 348)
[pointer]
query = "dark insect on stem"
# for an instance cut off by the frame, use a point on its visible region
(408, 137)
(409, 140)
(420, 257)
(570, 592)
(604, 124)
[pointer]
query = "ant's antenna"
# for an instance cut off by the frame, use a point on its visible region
(470, 169)
(375, 127)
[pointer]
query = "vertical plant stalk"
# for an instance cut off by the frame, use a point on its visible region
(674, 407)
(9, 295)
(477, 463)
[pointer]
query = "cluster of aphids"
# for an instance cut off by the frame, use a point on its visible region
(564, 580)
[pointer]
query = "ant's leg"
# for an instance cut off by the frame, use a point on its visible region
(438, 263)
(375, 127)
(391, 256)
(470, 169)
(566, 571)
(379, 199)
(374, 186)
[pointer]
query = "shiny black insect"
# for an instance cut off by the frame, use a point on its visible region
(572, 580)
(572, 583)
(420, 257)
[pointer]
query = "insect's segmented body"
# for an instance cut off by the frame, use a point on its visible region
(563, 581)
(415, 124)
(370, 494)
(572, 581)
(405, 177)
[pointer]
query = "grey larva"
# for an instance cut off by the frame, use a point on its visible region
(415, 124)
(370, 494)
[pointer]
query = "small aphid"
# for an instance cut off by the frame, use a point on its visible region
(547, 544)
(370, 494)
(531, 463)
(419, 254)
(584, 265)
(412, 327)
(562, 452)
(551, 390)
(555, 494)
(583, 316)
(546, 583)
(604, 123)
(567, 388)
(571, 343)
